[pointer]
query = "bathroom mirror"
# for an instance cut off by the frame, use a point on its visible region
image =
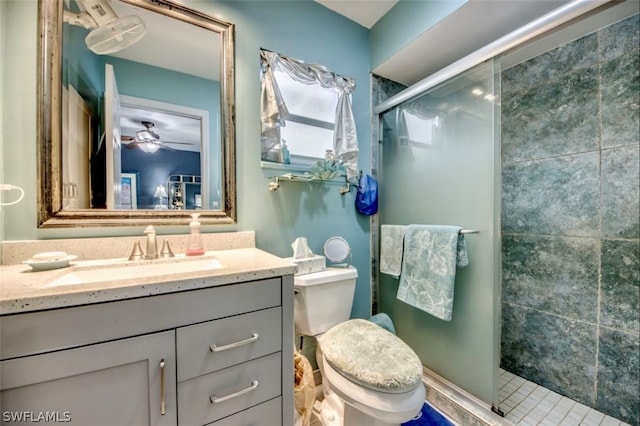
(95, 110)
(337, 250)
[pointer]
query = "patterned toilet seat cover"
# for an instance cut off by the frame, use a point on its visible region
(371, 356)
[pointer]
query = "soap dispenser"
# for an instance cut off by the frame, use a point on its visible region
(194, 248)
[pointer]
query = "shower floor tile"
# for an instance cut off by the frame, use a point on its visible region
(526, 403)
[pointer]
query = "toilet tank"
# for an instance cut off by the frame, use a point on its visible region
(323, 299)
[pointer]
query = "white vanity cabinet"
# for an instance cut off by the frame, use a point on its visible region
(218, 355)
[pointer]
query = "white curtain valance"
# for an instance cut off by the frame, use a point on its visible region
(274, 111)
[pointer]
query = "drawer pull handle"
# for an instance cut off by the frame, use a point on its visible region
(254, 385)
(163, 406)
(251, 339)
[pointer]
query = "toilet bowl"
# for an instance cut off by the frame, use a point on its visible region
(378, 408)
(370, 376)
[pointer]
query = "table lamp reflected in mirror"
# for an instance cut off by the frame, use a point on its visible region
(161, 194)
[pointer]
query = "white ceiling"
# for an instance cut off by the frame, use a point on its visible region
(469, 28)
(189, 49)
(472, 26)
(364, 12)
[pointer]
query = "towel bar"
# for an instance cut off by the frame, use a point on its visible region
(469, 231)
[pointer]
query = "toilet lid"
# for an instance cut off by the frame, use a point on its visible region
(371, 356)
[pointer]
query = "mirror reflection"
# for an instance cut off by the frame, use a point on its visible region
(148, 143)
(145, 112)
(163, 152)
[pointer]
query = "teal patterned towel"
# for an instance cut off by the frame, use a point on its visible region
(391, 241)
(431, 254)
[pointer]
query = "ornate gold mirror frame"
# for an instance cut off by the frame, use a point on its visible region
(49, 116)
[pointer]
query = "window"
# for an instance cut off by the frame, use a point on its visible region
(309, 127)
(305, 111)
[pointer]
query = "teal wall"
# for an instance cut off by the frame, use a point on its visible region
(162, 85)
(307, 31)
(19, 32)
(3, 26)
(404, 23)
(301, 29)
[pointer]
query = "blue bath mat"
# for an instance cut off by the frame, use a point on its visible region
(428, 416)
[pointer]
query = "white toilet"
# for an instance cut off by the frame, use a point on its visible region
(370, 376)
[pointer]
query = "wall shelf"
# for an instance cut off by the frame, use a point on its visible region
(290, 177)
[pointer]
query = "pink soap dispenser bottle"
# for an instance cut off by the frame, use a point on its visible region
(195, 248)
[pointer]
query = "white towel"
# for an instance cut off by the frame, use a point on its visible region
(391, 243)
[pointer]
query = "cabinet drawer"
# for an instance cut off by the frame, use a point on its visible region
(236, 388)
(267, 413)
(213, 345)
(82, 325)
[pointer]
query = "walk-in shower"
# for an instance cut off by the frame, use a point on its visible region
(538, 149)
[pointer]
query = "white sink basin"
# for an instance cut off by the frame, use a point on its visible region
(134, 270)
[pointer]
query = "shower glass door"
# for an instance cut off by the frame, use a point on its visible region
(439, 164)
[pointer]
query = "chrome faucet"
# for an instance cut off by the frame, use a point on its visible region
(152, 244)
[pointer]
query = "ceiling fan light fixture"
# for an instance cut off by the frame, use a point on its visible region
(116, 35)
(149, 147)
(147, 135)
(144, 136)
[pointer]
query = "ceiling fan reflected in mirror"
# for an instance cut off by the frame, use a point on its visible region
(147, 140)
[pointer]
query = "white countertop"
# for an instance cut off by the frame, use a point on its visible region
(22, 290)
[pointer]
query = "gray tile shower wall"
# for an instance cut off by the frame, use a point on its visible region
(570, 220)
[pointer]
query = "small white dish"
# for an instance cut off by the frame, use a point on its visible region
(49, 256)
(46, 265)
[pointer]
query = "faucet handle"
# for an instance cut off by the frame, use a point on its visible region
(166, 250)
(136, 253)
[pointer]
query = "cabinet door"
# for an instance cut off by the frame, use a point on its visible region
(123, 382)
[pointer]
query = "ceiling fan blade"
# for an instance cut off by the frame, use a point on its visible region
(163, 146)
(131, 145)
(178, 143)
(135, 142)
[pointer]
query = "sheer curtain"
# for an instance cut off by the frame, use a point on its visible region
(274, 112)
